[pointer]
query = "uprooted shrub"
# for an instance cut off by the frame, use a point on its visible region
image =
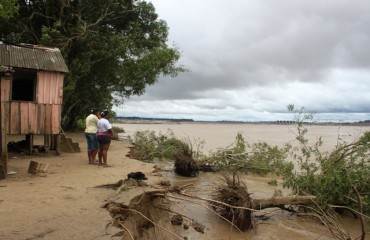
(185, 164)
(233, 202)
(148, 145)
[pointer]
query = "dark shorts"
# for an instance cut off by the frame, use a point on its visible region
(103, 139)
(92, 141)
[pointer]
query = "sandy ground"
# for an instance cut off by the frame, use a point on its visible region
(64, 203)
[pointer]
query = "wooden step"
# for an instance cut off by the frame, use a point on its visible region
(68, 145)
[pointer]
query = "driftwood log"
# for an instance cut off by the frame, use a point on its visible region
(282, 201)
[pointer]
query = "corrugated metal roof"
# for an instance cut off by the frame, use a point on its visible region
(33, 57)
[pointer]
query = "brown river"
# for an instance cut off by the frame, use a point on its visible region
(281, 224)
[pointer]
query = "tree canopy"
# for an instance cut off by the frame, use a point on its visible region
(8, 8)
(113, 48)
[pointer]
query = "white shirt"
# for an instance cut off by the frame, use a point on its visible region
(104, 125)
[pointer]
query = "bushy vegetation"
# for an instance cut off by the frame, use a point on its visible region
(259, 158)
(116, 129)
(339, 177)
(149, 145)
(333, 176)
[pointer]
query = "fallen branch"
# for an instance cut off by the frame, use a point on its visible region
(363, 232)
(282, 201)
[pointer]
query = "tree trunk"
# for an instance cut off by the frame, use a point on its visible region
(281, 201)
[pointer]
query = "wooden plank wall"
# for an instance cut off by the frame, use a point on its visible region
(42, 116)
(49, 87)
(27, 117)
(5, 89)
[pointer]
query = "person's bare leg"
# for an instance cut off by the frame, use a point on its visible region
(89, 156)
(93, 155)
(105, 155)
(100, 154)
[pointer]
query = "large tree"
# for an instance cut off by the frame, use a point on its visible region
(8, 8)
(113, 48)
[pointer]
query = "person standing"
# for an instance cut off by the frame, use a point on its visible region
(91, 135)
(104, 138)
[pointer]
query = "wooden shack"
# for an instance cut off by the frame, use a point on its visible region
(31, 94)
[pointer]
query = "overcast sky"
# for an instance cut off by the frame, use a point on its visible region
(249, 59)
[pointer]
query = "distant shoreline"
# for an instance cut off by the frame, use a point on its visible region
(190, 121)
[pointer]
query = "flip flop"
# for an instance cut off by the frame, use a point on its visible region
(107, 165)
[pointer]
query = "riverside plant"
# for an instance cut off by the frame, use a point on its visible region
(335, 177)
(150, 145)
(259, 158)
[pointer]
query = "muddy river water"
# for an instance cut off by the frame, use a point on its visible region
(281, 224)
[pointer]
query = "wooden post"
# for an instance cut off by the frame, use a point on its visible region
(3, 145)
(52, 141)
(47, 140)
(3, 171)
(57, 143)
(29, 140)
(3, 139)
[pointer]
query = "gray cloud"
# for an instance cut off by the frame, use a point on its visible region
(258, 56)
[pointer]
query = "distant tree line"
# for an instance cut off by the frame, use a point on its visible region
(154, 119)
(278, 122)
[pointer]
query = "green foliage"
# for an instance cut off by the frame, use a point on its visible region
(278, 193)
(113, 49)
(149, 145)
(8, 8)
(259, 158)
(331, 176)
(117, 129)
(272, 182)
(81, 124)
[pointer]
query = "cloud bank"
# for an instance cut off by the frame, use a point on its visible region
(249, 59)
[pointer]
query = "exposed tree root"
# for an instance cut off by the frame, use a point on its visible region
(185, 165)
(235, 193)
(149, 214)
(146, 217)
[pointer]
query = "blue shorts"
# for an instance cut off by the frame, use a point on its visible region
(92, 141)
